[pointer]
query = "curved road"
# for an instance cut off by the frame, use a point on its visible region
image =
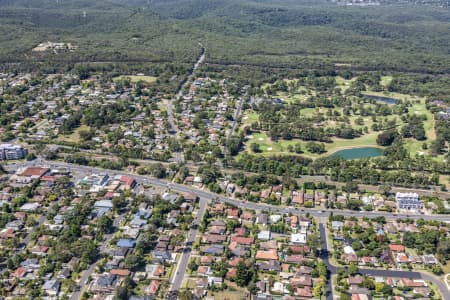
(377, 272)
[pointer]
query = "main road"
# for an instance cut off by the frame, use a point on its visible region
(239, 203)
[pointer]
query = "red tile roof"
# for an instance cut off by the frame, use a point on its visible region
(243, 240)
(231, 273)
(241, 231)
(267, 255)
(34, 171)
(19, 272)
(297, 197)
(299, 249)
(304, 292)
(296, 258)
(411, 283)
(127, 180)
(120, 272)
(48, 178)
(154, 287)
(397, 248)
(158, 271)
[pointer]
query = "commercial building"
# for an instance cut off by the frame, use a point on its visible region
(409, 201)
(11, 152)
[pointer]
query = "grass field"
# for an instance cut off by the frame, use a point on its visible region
(367, 140)
(445, 179)
(343, 83)
(385, 80)
(136, 78)
(75, 136)
(251, 116)
(268, 147)
(227, 295)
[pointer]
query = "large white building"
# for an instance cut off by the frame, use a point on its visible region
(409, 201)
(10, 152)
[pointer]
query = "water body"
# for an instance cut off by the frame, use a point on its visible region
(355, 153)
(387, 100)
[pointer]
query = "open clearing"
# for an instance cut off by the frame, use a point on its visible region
(75, 136)
(137, 78)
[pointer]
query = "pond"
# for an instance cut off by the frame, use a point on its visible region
(355, 153)
(387, 100)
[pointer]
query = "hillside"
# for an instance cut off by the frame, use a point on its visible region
(282, 33)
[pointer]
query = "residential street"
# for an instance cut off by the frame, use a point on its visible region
(82, 283)
(179, 157)
(378, 272)
(180, 270)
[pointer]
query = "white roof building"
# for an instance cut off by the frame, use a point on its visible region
(264, 235)
(298, 238)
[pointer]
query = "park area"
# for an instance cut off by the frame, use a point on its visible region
(260, 142)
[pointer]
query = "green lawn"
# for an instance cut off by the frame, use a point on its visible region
(252, 116)
(343, 83)
(385, 80)
(307, 112)
(367, 140)
(226, 295)
(267, 146)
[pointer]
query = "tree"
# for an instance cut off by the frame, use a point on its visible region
(385, 189)
(122, 293)
(193, 266)
(318, 288)
(386, 138)
(350, 187)
(30, 156)
(344, 296)
(443, 250)
(104, 224)
(313, 241)
(314, 147)
(255, 147)
(321, 269)
(158, 170)
(242, 275)
(353, 269)
(185, 295)
(134, 261)
(387, 290)
(437, 269)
